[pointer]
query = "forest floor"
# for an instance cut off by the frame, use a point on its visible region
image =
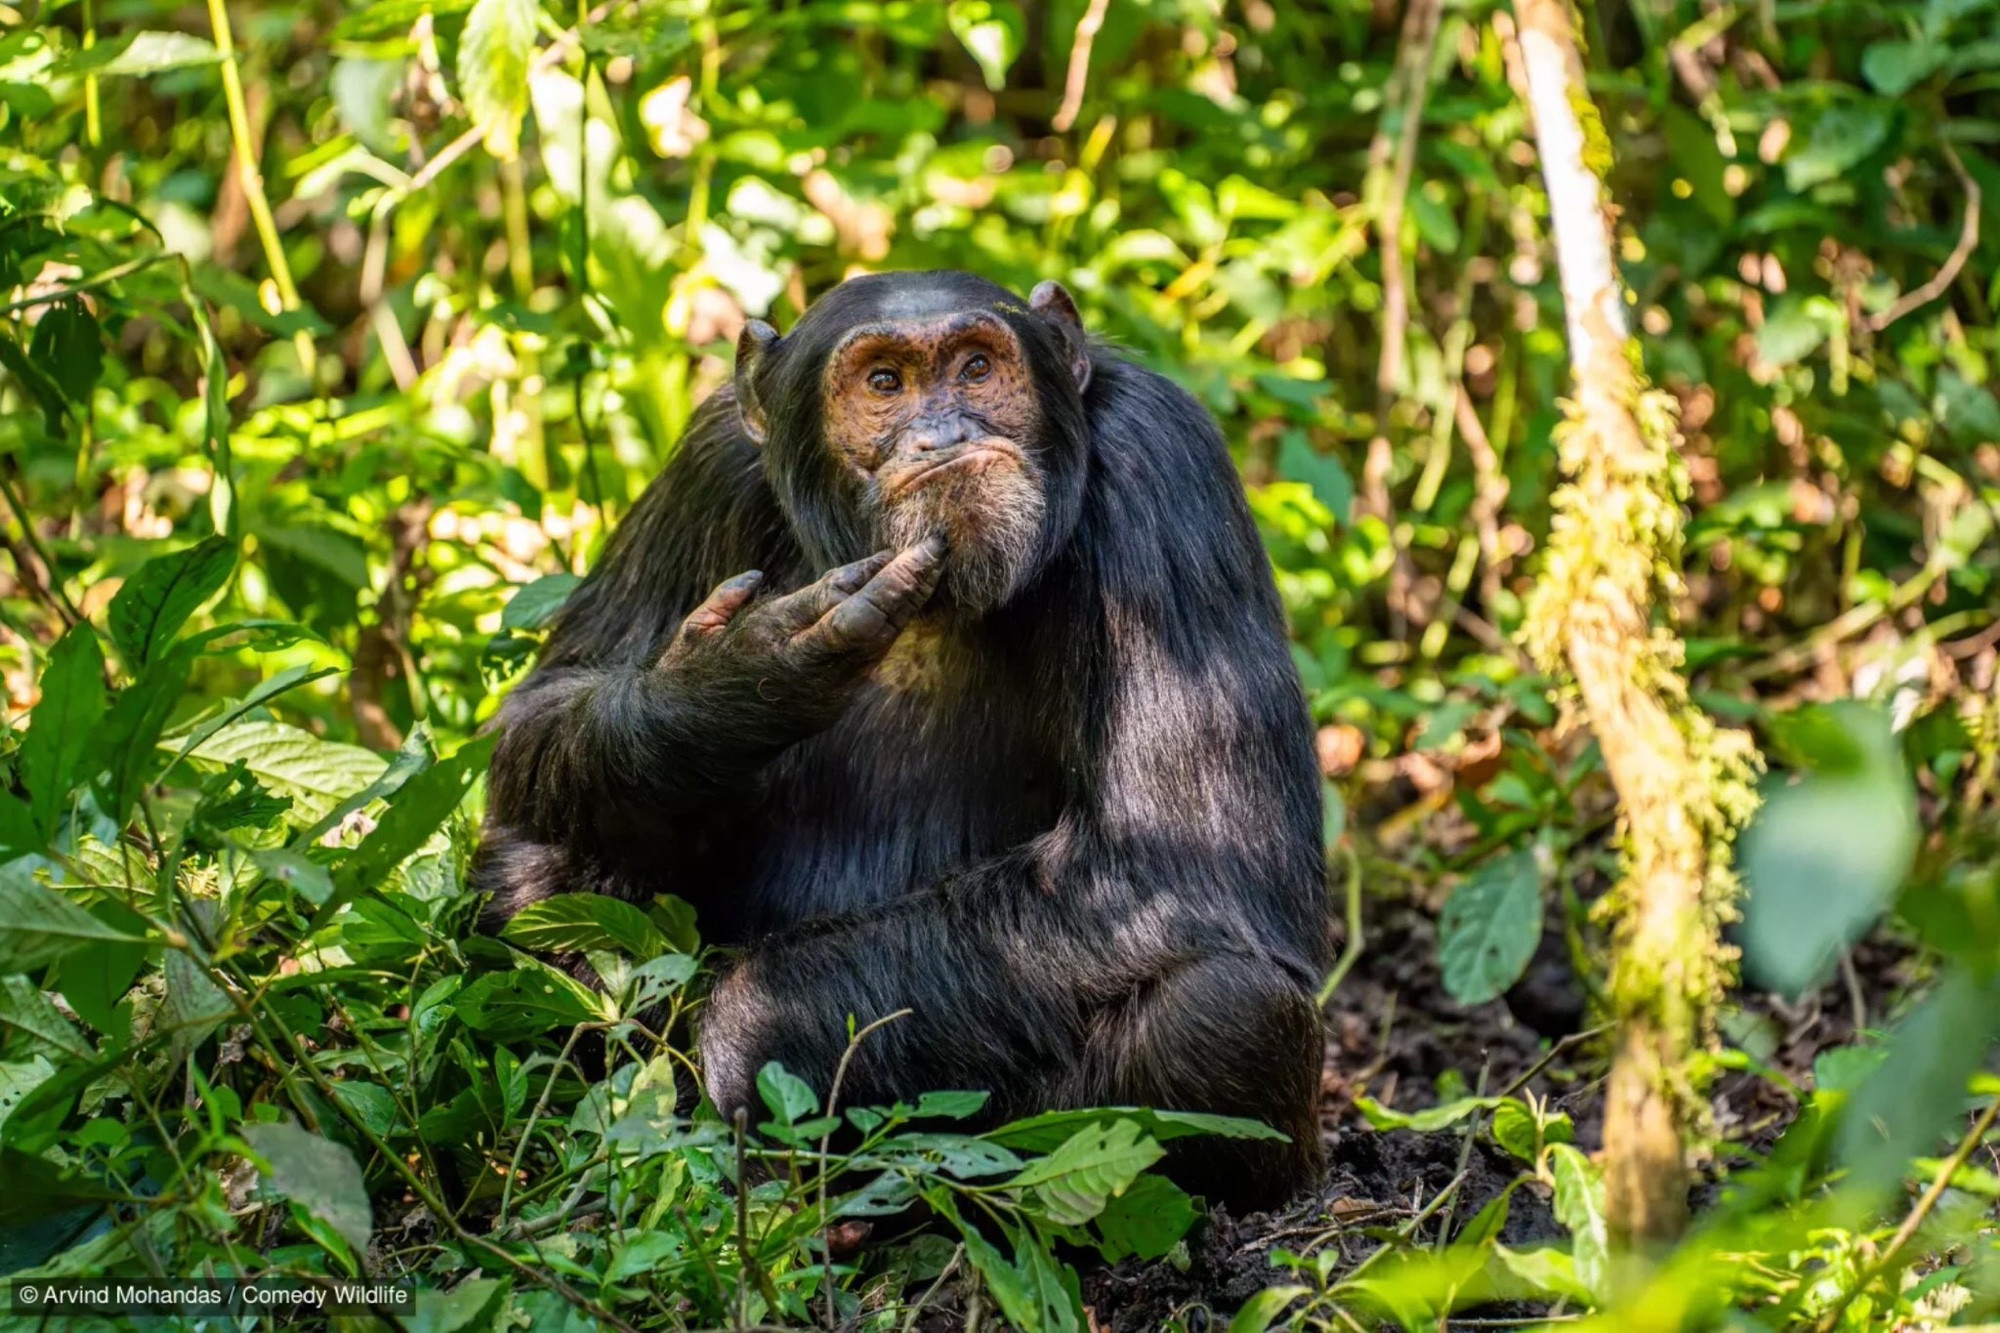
(1393, 1035)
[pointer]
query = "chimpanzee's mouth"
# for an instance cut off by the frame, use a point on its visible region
(975, 458)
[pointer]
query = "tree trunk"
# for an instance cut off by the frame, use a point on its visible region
(1613, 562)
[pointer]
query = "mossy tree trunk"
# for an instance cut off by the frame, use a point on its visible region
(1600, 618)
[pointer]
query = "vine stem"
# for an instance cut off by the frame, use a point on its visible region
(826, 1143)
(1940, 1182)
(252, 179)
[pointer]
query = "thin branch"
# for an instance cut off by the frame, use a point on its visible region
(1940, 1182)
(1079, 66)
(1968, 241)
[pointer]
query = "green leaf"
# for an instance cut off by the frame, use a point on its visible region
(35, 382)
(1918, 1091)
(1147, 1220)
(1896, 67)
(1331, 486)
(319, 1175)
(297, 871)
(153, 604)
(393, 18)
(423, 804)
(575, 922)
(1050, 1130)
(1840, 139)
(1790, 334)
(536, 604)
(531, 999)
(790, 1097)
(142, 53)
(1427, 1121)
(59, 731)
(32, 1188)
(127, 743)
(1096, 1163)
(1491, 926)
(1514, 1128)
(69, 347)
(315, 773)
(1579, 1206)
(1825, 855)
(493, 56)
(992, 32)
(471, 1305)
(1266, 1308)
(95, 976)
(24, 1009)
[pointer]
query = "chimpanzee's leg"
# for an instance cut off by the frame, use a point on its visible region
(1229, 1034)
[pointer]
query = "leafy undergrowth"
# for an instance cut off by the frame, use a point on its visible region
(252, 1033)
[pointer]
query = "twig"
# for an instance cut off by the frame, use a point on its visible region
(1940, 1182)
(1079, 66)
(826, 1142)
(1410, 88)
(957, 1255)
(1573, 1039)
(251, 178)
(1351, 951)
(1968, 241)
(49, 589)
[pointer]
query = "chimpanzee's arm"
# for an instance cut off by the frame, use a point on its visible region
(598, 734)
(1163, 943)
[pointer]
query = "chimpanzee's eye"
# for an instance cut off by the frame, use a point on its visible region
(976, 369)
(884, 381)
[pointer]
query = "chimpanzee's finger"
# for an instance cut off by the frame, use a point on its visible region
(870, 620)
(798, 611)
(716, 611)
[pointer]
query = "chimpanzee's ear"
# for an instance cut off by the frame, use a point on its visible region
(1051, 300)
(756, 339)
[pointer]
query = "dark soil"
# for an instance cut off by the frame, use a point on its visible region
(1395, 1036)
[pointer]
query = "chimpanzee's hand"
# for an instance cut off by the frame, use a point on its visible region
(801, 656)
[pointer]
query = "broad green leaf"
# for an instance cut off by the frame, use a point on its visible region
(1514, 1129)
(38, 926)
(469, 1306)
(949, 1105)
(1918, 1091)
(423, 804)
(1790, 333)
(127, 745)
(142, 53)
(1266, 1308)
(297, 871)
(153, 604)
(1840, 139)
(319, 1175)
(1050, 1130)
(1896, 67)
(1097, 1162)
(24, 1009)
(315, 773)
(1579, 1206)
(575, 922)
(59, 731)
(393, 18)
(789, 1097)
(1491, 926)
(1331, 486)
(992, 32)
(1427, 1121)
(69, 347)
(536, 604)
(493, 55)
(1825, 855)
(32, 1188)
(97, 975)
(1147, 1220)
(531, 999)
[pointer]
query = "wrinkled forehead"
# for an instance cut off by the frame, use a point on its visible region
(922, 338)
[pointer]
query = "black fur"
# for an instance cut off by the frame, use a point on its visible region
(1087, 858)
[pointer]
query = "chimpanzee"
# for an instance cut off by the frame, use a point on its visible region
(941, 669)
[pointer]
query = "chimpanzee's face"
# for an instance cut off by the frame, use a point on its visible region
(937, 419)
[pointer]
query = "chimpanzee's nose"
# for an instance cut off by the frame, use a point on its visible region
(941, 435)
